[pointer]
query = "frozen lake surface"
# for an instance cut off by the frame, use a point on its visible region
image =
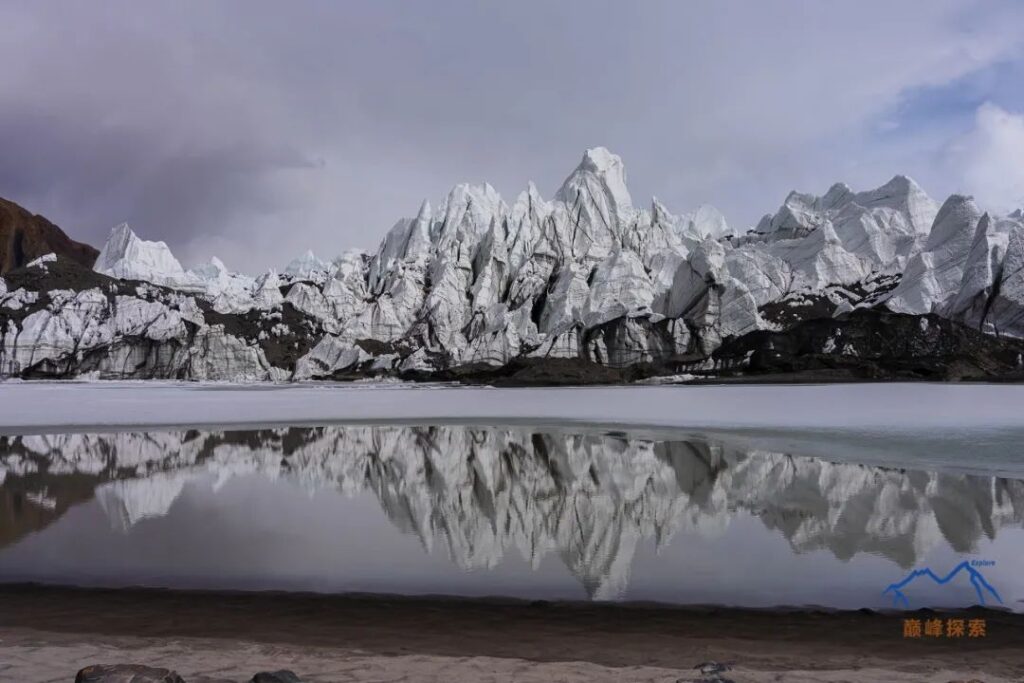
(859, 407)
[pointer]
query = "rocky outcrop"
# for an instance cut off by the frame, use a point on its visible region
(25, 237)
(126, 673)
(282, 676)
(137, 673)
(478, 289)
(873, 345)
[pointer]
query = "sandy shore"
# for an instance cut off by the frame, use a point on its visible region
(47, 634)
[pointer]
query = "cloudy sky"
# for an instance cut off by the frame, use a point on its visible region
(256, 130)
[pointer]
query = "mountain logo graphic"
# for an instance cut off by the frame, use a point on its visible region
(981, 585)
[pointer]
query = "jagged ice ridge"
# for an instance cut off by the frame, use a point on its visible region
(476, 284)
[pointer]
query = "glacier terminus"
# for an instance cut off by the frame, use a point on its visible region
(583, 287)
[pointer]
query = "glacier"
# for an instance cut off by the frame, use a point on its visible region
(585, 286)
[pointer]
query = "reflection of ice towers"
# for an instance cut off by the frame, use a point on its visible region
(484, 491)
(586, 496)
(129, 501)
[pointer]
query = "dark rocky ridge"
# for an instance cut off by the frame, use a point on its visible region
(25, 237)
(874, 344)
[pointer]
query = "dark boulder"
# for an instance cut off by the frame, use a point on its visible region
(283, 676)
(126, 673)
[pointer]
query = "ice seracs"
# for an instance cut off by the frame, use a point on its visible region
(933, 274)
(128, 257)
(306, 267)
(600, 179)
(990, 296)
(842, 237)
(594, 206)
(473, 281)
(703, 223)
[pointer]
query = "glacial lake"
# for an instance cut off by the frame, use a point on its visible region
(535, 511)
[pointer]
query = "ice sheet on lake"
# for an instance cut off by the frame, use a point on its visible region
(906, 407)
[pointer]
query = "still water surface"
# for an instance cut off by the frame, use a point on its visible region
(531, 512)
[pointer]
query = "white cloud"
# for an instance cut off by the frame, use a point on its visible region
(991, 159)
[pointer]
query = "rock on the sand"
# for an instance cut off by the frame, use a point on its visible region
(126, 673)
(283, 676)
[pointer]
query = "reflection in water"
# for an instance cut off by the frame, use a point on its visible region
(588, 496)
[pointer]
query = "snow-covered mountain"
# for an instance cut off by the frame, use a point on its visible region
(584, 284)
(588, 497)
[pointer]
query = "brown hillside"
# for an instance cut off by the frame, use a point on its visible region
(25, 236)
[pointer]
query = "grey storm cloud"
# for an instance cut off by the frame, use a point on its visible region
(255, 130)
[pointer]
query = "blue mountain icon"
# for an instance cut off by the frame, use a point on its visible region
(977, 580)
